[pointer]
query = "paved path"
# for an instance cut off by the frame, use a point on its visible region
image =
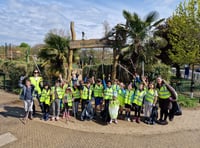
(184, 132)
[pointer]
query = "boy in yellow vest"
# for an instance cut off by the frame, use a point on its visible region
(98, 94)
(45, 100)
(138, 101)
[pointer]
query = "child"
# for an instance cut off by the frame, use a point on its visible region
(45, 101)
(138, 101)
(76, 97)
(67, 103)
(121, 97)
(113, 109)
(57, 95)
(128, 99)
(150, 100)
(27, 96)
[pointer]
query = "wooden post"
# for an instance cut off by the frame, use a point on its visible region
(70, 53)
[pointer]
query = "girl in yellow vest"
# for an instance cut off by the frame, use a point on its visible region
(57, 95)
(150, 100)
(138, 101)
(121, 97)
(128, 101)
(45, 100)
(76, 97)
(67, 99)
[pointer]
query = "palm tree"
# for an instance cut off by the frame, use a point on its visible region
(139, 32)
(55, 53)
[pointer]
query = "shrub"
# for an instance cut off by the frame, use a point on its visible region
(186, 101)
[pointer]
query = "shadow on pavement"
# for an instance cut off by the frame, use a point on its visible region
(17, 112)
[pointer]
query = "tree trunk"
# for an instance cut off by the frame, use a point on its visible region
(70, 53)
(115, 63)
(178, 72)
(192, 82)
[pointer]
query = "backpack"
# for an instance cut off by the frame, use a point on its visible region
(153, 117)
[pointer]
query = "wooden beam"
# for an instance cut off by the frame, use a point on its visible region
(92, 43)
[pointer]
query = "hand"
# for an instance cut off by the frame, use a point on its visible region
(22, 78)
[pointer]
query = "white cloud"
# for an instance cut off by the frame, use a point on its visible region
(29, 20)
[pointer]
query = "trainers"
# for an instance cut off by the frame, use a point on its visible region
(57, 118)
(53, 118)
(138, 120)
(110, 121)
(128, 119)
(115, 121)
(64, 115)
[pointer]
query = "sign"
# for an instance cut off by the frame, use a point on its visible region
(92, 43)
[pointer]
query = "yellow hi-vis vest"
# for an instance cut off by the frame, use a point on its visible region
(76, 93)
(121, 94)
(86, 93)
(36, 83)
(163, 92)
(129, 96)
(98, 90)
(108, 93)
(150, 95)
(45, 96)
(68, 99)
(57, 90)
(139, 95)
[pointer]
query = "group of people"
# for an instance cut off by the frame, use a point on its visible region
(98, 98)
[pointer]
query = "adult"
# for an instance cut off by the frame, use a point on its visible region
(36, 80)
(163, 97)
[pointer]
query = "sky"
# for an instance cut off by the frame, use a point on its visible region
(30, 20)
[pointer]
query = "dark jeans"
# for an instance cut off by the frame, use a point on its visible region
(87, 112)
(106, 115)
(137, 110)
(75, 105)
(164, 107)
(83, 104)
(46, 108)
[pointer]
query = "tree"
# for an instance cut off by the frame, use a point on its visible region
(184, 34)
(139, 32)
(55, 53)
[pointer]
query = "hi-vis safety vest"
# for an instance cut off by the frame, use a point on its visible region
(108, 93)
(36, 83)
(98, 90)
(45, 96)
(121, 94)
(138, 99)
(150, 95)
(129, 97)
(115, 87)
(68, 99)
(57, 90)
(163, 92)
(86, 93)
(76, 93)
